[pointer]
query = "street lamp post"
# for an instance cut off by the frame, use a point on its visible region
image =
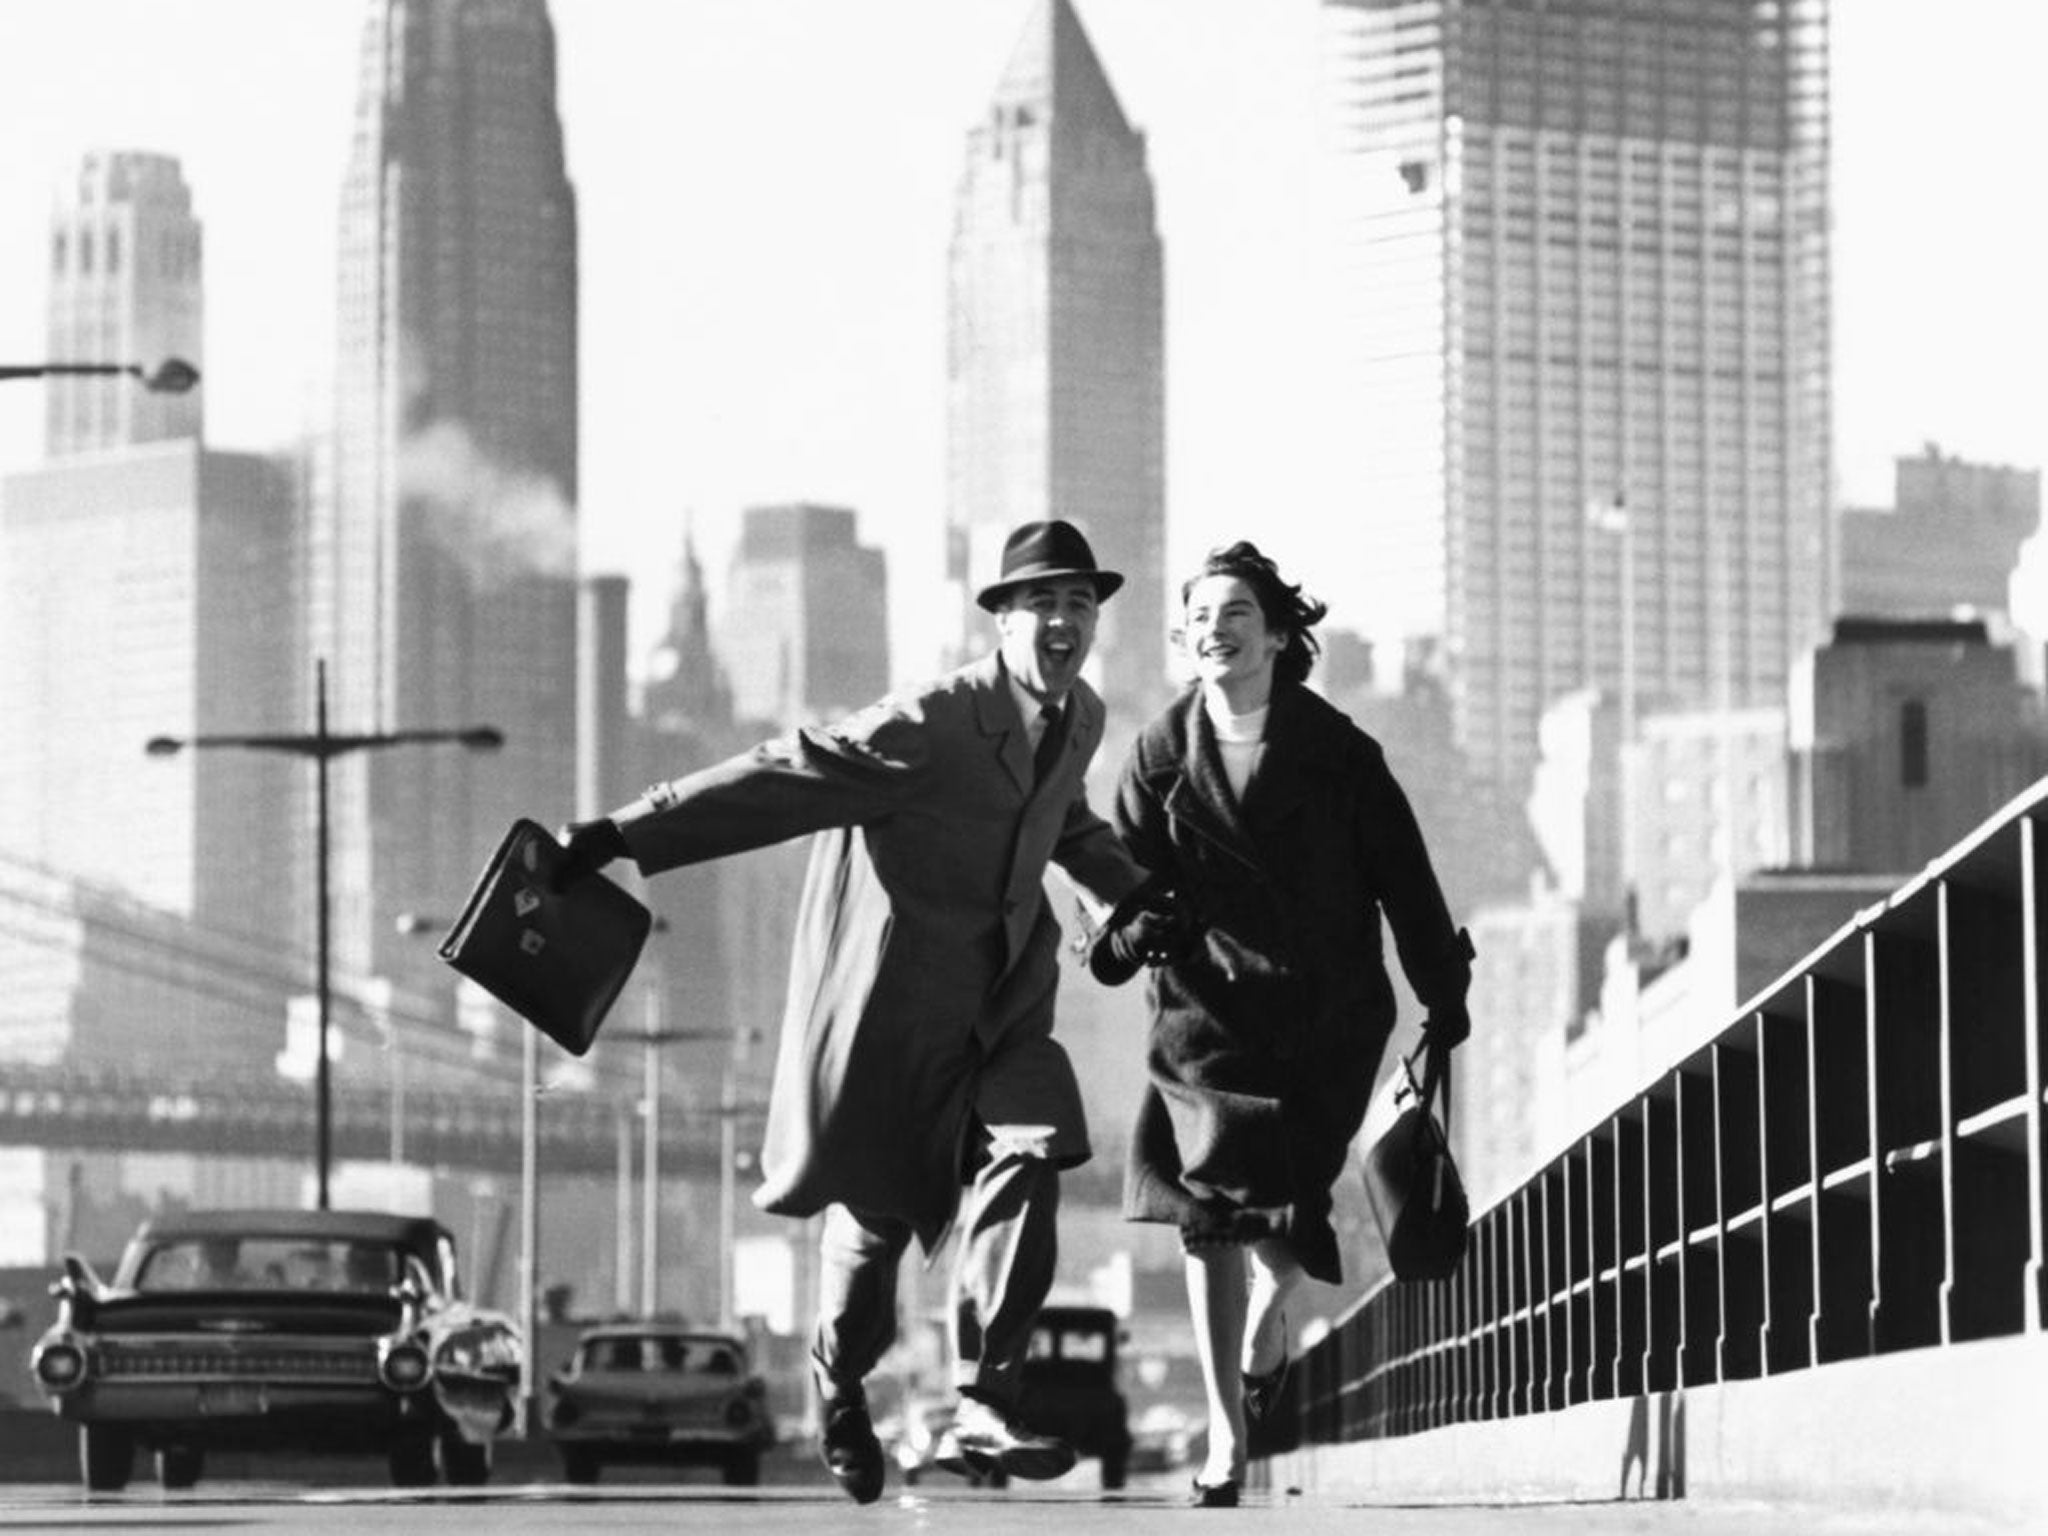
(173, 376)
(729, 1109)
(322, 746)
(1615, 518)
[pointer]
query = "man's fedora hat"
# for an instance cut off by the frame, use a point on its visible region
(1041, 552)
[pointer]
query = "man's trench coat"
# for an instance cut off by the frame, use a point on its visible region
(925, 961)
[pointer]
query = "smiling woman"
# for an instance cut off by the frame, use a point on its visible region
(1280, 831)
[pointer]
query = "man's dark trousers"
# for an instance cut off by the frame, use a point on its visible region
(1008, 1234)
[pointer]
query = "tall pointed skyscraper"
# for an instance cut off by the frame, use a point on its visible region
(1055, 369)
(448, 544)
(124, 288)
(145, 908)
(1585, 303)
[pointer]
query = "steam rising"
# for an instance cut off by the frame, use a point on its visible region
(498, 524)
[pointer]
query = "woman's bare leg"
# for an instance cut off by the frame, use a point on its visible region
(1216, 1302)
(1275, 1277)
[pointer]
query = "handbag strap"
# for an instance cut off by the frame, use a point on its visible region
(1436, 1078)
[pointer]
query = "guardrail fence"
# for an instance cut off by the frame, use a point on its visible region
(1852, 1166)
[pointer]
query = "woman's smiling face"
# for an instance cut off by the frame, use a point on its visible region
(1226, 634)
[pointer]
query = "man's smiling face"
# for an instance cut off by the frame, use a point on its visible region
(1047, 629)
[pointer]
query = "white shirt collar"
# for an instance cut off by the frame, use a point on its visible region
(1029, 704)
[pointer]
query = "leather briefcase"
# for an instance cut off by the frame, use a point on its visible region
(558, 959)
(1411, 1180)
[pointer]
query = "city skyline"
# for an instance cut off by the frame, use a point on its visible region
(723, 373)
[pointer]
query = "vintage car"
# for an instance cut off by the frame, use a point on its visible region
(1069, 1386)
(661, 1393)
(273, 1330)
(1167, 1437)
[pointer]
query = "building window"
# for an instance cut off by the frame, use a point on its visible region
(1913, 744)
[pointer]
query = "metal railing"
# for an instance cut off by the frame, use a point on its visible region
(1852, 1166)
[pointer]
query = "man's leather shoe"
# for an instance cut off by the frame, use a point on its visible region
(852, 1453)
(1221, 1495)
(982, 1439)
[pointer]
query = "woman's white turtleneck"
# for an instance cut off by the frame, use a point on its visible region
(1240, 739)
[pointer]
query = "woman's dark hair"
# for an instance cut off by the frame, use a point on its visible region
(1286, 610)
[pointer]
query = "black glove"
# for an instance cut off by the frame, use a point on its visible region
(1448, 1024)
(1161, 930)
(590, 846)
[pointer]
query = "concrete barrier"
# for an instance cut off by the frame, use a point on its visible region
(1923, 1431)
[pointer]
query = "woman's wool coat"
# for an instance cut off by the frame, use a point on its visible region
(1265, 1040)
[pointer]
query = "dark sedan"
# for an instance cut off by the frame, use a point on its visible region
(271, 1330)
(659, 1393)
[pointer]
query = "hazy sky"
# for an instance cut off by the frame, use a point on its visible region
(765, 197)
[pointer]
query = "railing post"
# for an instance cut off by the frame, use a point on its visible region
(1945, 1050)
(1649, 1361)
(2030, 1008)
(1872, 1060)
(1765, 1219)
(1810, 990)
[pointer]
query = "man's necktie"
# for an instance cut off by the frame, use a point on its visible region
(1050, 740)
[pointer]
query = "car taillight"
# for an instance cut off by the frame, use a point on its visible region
(566, 1412)
(403, 1367)
(739, 1413)
(60, 1366)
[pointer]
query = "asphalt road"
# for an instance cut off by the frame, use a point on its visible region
(255, 1496)
(258, 1508)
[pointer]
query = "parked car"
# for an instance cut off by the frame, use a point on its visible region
(1166, 1438)
(274, 1330)
(662, 1393)
(1070, 1385)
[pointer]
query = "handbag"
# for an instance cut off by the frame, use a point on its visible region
(1411, 1180)
(557, 958)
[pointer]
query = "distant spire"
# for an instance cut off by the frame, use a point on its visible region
(1054, 68)
(687, 687)
(688, 614)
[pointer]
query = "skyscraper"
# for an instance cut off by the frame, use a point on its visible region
(1951, 539)
(124, 288)
(152, 590)
(446, 548)
(1586, 269)
(1055, 366)
(805, 633)
(152, 594)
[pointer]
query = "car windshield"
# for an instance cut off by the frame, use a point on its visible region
(660, 1352)
(267, 1264)
(1081, 1344)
